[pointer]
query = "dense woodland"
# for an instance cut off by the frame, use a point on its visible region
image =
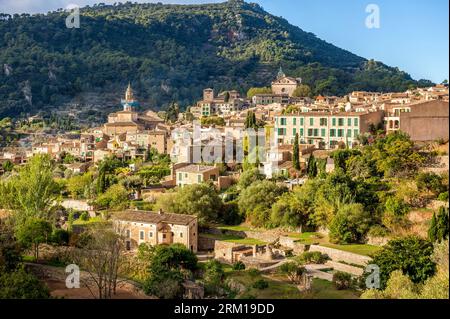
(170, 53)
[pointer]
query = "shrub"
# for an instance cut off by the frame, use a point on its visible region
(342, 280)
(443, 197)
(239, 265)
(261, 284)
(60, 236)
(253, 272)
(312, 257)
(378, 231)
(84, 216)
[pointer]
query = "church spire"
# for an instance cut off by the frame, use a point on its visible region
(281, 73)
(129, 93)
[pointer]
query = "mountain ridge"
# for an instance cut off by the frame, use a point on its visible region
(170, 53)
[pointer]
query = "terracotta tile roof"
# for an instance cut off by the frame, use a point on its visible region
(153, 218)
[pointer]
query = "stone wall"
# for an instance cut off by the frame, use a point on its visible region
(339, 255)
(206, 243)
(293, 244)
(356, 271)
(224, 251)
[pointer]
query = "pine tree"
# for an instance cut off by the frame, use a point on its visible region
(432, 231)
(296, 160)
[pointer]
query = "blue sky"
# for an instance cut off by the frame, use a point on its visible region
(413, 34)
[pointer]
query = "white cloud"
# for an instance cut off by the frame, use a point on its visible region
(43, 6)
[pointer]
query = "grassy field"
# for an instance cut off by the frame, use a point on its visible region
(360, 249)
(323, 289)
(280, 288)
(275, 290)
(315, 238)
(235, 239)
(236, 228)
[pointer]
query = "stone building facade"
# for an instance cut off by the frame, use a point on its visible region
(157, 228)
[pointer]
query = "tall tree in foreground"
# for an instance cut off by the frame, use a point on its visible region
(32, 233)
(296, 150)
(100, 256)
(33, 191)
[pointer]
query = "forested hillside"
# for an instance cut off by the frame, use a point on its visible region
(170, 53)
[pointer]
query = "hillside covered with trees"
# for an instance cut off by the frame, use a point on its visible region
(170, 53)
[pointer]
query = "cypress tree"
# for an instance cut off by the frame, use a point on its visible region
(442, 224)
(432, 231)
(296, 159)
(312, 167)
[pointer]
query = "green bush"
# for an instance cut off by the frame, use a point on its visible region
(261, 284)
(239, 265)
(378, 231)
(443, 197)
(60, 236)
(342, 280)
(312, 257)
(253, 272)
(84, 216)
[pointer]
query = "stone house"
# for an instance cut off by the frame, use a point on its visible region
(156, 228)
(196, 174)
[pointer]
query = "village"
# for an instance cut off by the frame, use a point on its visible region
(188, 178)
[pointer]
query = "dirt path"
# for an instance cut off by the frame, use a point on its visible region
(55, 278)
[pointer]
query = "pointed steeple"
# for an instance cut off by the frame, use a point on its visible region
(129, 93)
(281, 73)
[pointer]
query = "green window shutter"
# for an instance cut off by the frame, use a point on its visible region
(323, 132)
(294, 121)
(311, 121)
(301, 121)
(356, 121)
(349, 133)
(334, 121)
(301, 132)
(356, 133)
(332, 132)
(349, 122)
(294, 131)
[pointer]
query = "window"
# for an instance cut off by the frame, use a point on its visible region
(310, 132)
(180, 176)
(340, 132)
(323, 132)
(301, 132)
(164, 236)
(281, 131)
(332, 133)
(150, 234)
(283, 121)
(301, 121)
(356, 121)
(349, 133)
(141, 235)
(355, 133)
(349, 122)
(128, 245)
(334, 121)
(341, 121)
(311, 121)
(323, 121)
(316, 132)
(128, 233)
(199, 178)
(294, 131)
(294, 121)
(181, 235)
